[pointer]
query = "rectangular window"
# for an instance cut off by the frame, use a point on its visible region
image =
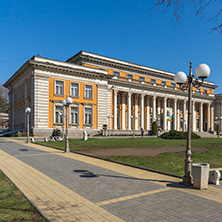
(173, 85)
(163, 83)
(117, 74)
(129, 77)
(88, 92)
(142, 79)
(74, 115)
(153, 81)
(57, 114)
(74, 89)
(198, 90)
(59, 87)
(205, 91)
(88, 116)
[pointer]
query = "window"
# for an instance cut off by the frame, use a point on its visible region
(59, 88)
(74, 89)
(129, 77)
(88, 116)
(173, 85)
(205, 91)
(74, 115)
(58, 118)
(116, 74)
(88, 92)
(141, 79)
(163, 83)
(153, 81)
(198, 90)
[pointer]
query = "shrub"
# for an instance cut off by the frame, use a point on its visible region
(173, 134)
(154, 128)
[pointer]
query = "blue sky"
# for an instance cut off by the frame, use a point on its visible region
(125, 30)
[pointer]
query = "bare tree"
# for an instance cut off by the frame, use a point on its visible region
(3, 99)
(200, 7)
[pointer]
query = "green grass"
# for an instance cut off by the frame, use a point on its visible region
(13, 205)
(172, 163)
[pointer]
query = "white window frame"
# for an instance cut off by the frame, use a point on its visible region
(85, 92)
(117, 74)
(70, 116)
(153, 82)
(75, 96)
(88, 124)
(142, 79)
(55, 85)
(163, 83)
(173, 85)
(129, 77)
(54, 114)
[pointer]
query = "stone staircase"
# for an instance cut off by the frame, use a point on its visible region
(206, 135)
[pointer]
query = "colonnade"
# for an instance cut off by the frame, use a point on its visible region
(136, 111)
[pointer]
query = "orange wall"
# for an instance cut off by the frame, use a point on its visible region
(78, 100)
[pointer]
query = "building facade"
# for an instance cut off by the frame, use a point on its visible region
(104, 90)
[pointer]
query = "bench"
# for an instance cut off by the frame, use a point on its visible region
(214, 175)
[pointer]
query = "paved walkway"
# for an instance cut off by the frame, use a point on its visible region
(72, 187)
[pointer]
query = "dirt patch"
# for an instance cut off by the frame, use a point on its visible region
(139, 152)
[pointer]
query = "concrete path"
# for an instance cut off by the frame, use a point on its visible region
(72, 187)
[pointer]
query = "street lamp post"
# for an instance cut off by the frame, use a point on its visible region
(27, 110)
(66, 102)
(109, 119)
(187, 82)
(134, 118)
(62, 116)
(218, 120)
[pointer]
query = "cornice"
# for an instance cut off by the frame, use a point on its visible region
(127, 68)
(173, 92)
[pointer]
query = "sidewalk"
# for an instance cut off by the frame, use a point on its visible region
(72, 187)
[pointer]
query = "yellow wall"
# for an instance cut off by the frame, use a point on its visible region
(123, 74)
(79, 100)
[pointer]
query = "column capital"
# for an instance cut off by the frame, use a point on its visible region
(129, 94)
(115, 91)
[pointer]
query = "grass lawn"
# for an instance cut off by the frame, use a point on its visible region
(13, 205)
(166, 162)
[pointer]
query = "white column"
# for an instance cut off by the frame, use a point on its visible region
(148, 113)
(208, 116)
(184, 115)
(201, 117)
(115, 110)
(212, 118)
(154, 109)
(123, 111)
(136, 112)
(164, 113)
(129, 111)
(142, 110)
(194, 118)
(178, 117)
(175, 115)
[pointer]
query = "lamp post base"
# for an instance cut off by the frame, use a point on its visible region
(67, 145)
(188, 180)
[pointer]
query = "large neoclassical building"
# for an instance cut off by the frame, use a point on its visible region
(104, 90)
